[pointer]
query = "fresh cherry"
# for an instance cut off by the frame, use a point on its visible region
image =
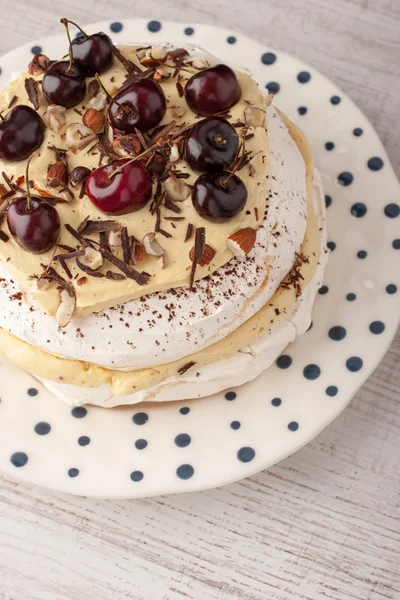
(36, 227)
(219, 196)
(140, 105)
(119, 188)
(92, 53)
(21, 133)
(64, 84)
(211, 145)
(212, 91)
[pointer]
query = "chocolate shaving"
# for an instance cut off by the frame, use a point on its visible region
(83, 190)
(189, 232)
(178, 53)
(12, 185)
(165, 233)
(31, 90)
(174, 218)
(93, 88)
(141, 139)
(199, 244)
(51, 273)
(140, 278)
(125, 245)
(103, 241)
(65, 247)
(12, 101)
(87, 226)
(115, 276)
(171, 206)
(65, 266)
(129, 66)
(239, 124)
(180, 89)
(88, 270)
(158, 220)
(70, 255)
(7, 195)
(82, 280)
(3, 236)
(186, 367)
(78, 236)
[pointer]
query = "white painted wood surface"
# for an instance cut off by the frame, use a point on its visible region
(323, 524)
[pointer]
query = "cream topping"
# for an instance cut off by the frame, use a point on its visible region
(100, 293)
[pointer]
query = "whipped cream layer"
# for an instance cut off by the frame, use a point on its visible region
(99, 293)
(236, 369)
(166, 326)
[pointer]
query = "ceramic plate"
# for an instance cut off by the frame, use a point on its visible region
(180, 447)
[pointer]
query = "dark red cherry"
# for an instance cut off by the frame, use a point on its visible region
(140, 105)
(64, 84)
(36, 228)
(213, 90)
(125, 192)
(219, 196)
(21, 133)
(211, 145)
(93, 54)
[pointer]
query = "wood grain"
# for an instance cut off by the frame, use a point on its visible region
(323, 524)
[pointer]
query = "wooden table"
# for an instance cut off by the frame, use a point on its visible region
(323, 524)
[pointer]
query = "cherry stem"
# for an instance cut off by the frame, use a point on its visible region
(132, 160)
(65, 23)
(110, 98)
(28, 190)
(77, 26)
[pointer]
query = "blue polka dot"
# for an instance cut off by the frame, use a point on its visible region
(182, 440)
(331, 246)
(375, 163)
(235, 425)
(36, 49)
(335, 100)
(311, 372)
(116, 27)
(377, 327)
(357, 131)
(284, 361)
(392, 210)
(141, 444)
(323, 290)
(276, 401)
(140, 418)
(230, 396)
(84, 440)
(73, 472)
(391, 288)
(302, 110)
(42, 428)
(137, 476)
(329, 146)
(32, 392)
(396, 244)
(273, 87)
(185, 410)
(189, 31)
(79, 412)
(345, 178)
(354, 364)
(246, 454)
(268, 58)
(19, 459)
(154, 26)
(303, 77)
(185, 471)
(358, 210)
(337, 333)
(293, 426)
(231, 39)
(331, 390)
(362, 254)
(328, 201)
(351, 297)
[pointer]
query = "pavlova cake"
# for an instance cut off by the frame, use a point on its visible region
(162, 224)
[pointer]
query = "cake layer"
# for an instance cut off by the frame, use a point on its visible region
(168, 326)
(98, 293)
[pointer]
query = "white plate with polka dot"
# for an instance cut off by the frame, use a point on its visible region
(180, 447)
